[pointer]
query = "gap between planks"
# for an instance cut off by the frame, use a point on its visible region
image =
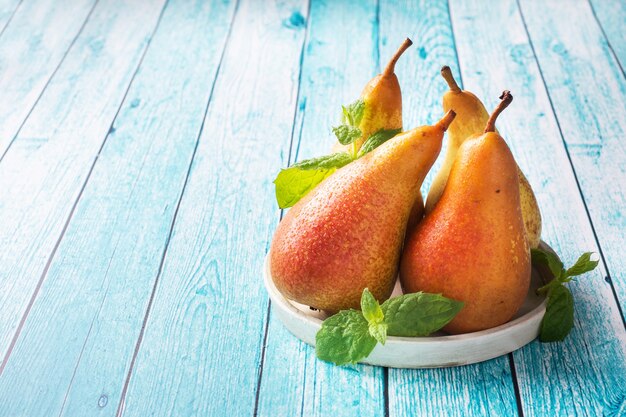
(608, 42)
(305, 39)
(569, 158)
(10, 17)
(18, 331)
(56, 69)
(516, 389)
(120, 406)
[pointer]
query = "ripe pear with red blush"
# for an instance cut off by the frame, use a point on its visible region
(347, 233)
(472, 246)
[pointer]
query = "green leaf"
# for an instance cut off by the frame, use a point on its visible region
(559, 317)
(334, 160)
(582, 265)
(549, 259)
(378, 331)
(296, 181)
(344, 338)
(370, 308)
(353, 113)
(346, 134)
(377, 139)
(419, 314)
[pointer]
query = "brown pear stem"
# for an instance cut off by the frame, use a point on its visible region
(446, 120)
(446, 73)
(392, 63)
(506, 98)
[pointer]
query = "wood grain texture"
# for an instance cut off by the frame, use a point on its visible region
(588, 92)
(31, 48)
(586, 374)
(7, 10)
(611, 15)
(419, 71)
(335, 70)
(436, 391)
(79, 339)
(44, 171)
(202, 346)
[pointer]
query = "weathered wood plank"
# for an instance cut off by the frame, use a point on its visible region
(7, 10)
(44, 171)
(31, 48)
(588, 92)
(437, 391)
(78, 341)
(335, 69)
(586, 374)
(201, 349)
(611, 15)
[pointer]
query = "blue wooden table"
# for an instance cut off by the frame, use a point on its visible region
(138, 144)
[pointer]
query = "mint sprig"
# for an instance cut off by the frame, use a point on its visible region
(419, 314)
(350, 335)
(346, 134)
(352, 114)
(348, 131)
(374, 315)
(344, 338)
(558, 319)
(298, 180)
(377, 139)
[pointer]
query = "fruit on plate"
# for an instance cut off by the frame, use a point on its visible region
(347, 233)
(472, 246)
(470, 120)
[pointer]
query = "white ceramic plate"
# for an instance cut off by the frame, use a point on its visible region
(436, 351)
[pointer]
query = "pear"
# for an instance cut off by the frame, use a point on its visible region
(383, 110)
(383, 103)
(470, 120)
(347, 233)
(472, 245)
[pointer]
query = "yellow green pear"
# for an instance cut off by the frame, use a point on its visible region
(383, 103)
(347, 233)
(470, 120)
(472, 246)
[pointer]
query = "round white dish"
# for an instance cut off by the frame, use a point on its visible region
(435, 351)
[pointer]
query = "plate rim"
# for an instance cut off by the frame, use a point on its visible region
(277, 297)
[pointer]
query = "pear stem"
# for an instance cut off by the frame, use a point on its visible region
(446, 120)
(446, 73)
(506, 98)
(392, 63)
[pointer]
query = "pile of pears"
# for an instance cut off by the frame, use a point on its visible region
(366, 223)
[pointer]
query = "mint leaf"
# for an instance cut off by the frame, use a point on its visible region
(353, 113)
(374, 315)
(418, 314)
(334, 160)
(582, 265)
(549, 259)
(346, 134)
(377, 139)
(378, 331)
(559, 317)
(370, 308)
(296, 181)
(344, 338)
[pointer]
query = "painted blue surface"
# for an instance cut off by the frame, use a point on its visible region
(138, 144)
